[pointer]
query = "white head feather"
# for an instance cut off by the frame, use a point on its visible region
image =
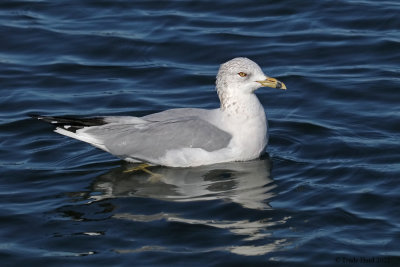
(236, 78)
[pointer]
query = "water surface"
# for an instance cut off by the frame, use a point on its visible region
(326, 192)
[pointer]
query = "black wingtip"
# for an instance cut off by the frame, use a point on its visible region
(34, 116)
(70, 123)
(44, 118)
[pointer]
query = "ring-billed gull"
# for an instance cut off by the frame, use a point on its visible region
(185, 137)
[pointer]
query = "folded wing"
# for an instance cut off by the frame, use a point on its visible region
(142, 139)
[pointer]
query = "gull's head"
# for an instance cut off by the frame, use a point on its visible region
(243, 76)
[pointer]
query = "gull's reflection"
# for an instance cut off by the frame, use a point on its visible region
(245, 183)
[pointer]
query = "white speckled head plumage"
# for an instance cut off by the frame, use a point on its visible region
(231, 84)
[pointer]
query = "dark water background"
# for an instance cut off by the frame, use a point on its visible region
(327, 193)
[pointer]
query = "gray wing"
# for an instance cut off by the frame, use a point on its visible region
(152, 140)
(179, 113)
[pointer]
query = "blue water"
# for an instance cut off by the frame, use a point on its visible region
(326, 194)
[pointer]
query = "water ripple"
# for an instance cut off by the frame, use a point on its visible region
(326, 190)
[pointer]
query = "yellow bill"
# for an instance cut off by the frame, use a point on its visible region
(272, 82)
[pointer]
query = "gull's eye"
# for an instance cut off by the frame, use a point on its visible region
(242, 74)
